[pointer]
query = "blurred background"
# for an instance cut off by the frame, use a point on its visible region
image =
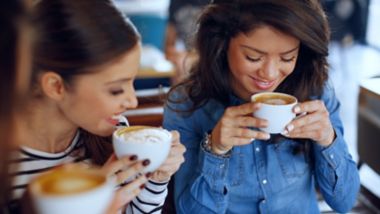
(354, 60)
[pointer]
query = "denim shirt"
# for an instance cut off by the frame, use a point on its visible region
(261, 177)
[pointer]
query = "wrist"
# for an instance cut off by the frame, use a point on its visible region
(329, 141)
(214, 147)
(219, 151)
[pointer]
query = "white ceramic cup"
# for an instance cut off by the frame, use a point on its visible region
(144, 141)
(276, 108)
(72, 190)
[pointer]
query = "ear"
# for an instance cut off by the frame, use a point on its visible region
(52, 85)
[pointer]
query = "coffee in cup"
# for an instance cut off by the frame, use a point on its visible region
(276, 108)
(71, 190)
(144, 141)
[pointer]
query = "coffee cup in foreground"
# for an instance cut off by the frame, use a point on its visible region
(144, 141)
(72, 190)
(276, 108)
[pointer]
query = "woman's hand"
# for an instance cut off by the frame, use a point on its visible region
(233, 128)
(315, 124)
(124, 169)
(173, 162)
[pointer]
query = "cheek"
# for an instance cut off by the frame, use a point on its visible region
(248, 69)
(241, 66)
(93, 116)
(288, 69)
(107, 107)
(97, 107)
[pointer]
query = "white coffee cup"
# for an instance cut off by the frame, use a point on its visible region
(144, 141)
(73, 190)
(276, 108)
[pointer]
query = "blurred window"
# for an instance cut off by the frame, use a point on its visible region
(373, 27)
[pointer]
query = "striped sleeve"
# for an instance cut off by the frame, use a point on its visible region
(150, 200)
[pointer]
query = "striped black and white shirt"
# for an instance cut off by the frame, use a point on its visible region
(27, 163)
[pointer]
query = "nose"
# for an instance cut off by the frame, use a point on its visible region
(131, 101)
(269, 71)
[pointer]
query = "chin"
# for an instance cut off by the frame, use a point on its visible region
(106, 133)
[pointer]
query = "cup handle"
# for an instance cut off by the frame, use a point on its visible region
(123, 122)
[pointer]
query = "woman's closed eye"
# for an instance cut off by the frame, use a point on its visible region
(116, 92)
(253, 59)
(288, 59)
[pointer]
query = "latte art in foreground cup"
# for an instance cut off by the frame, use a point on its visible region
(147, 135)
(144, 141)
(71, 190)
(276, 108)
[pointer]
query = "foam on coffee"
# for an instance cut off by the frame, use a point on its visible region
(61, 182)
(274, 99)
(147, 135)
(146, 142)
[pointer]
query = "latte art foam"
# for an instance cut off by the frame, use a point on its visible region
(276, 102)
(147, 136)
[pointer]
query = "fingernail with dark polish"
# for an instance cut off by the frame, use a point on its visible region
(142, 186)
(148, 174)
(133, 157)
(146, 162)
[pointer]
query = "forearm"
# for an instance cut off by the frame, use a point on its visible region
(337, 175)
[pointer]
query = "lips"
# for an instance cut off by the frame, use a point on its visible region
(113, 122)
(262, 84)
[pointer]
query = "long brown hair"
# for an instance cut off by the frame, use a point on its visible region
(14, 23)
(225, 19)
(74, 38)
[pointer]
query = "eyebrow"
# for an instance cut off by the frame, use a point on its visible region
(119, 81)
(263, 52)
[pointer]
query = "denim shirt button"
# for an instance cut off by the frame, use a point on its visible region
(332, 156)
(221, 166)
(263, 201)
(257, 149)
(265, 181)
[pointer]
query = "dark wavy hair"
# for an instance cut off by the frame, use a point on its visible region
(223, 20)
(76, 37)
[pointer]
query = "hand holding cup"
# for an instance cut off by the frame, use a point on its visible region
(276, 108)
(145, 142)
(127, 173)
(234, 128)
(314, 123)
(173, 162)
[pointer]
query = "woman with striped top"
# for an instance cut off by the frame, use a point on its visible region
(86, 57)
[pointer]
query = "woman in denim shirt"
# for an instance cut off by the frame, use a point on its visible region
(231, 167)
